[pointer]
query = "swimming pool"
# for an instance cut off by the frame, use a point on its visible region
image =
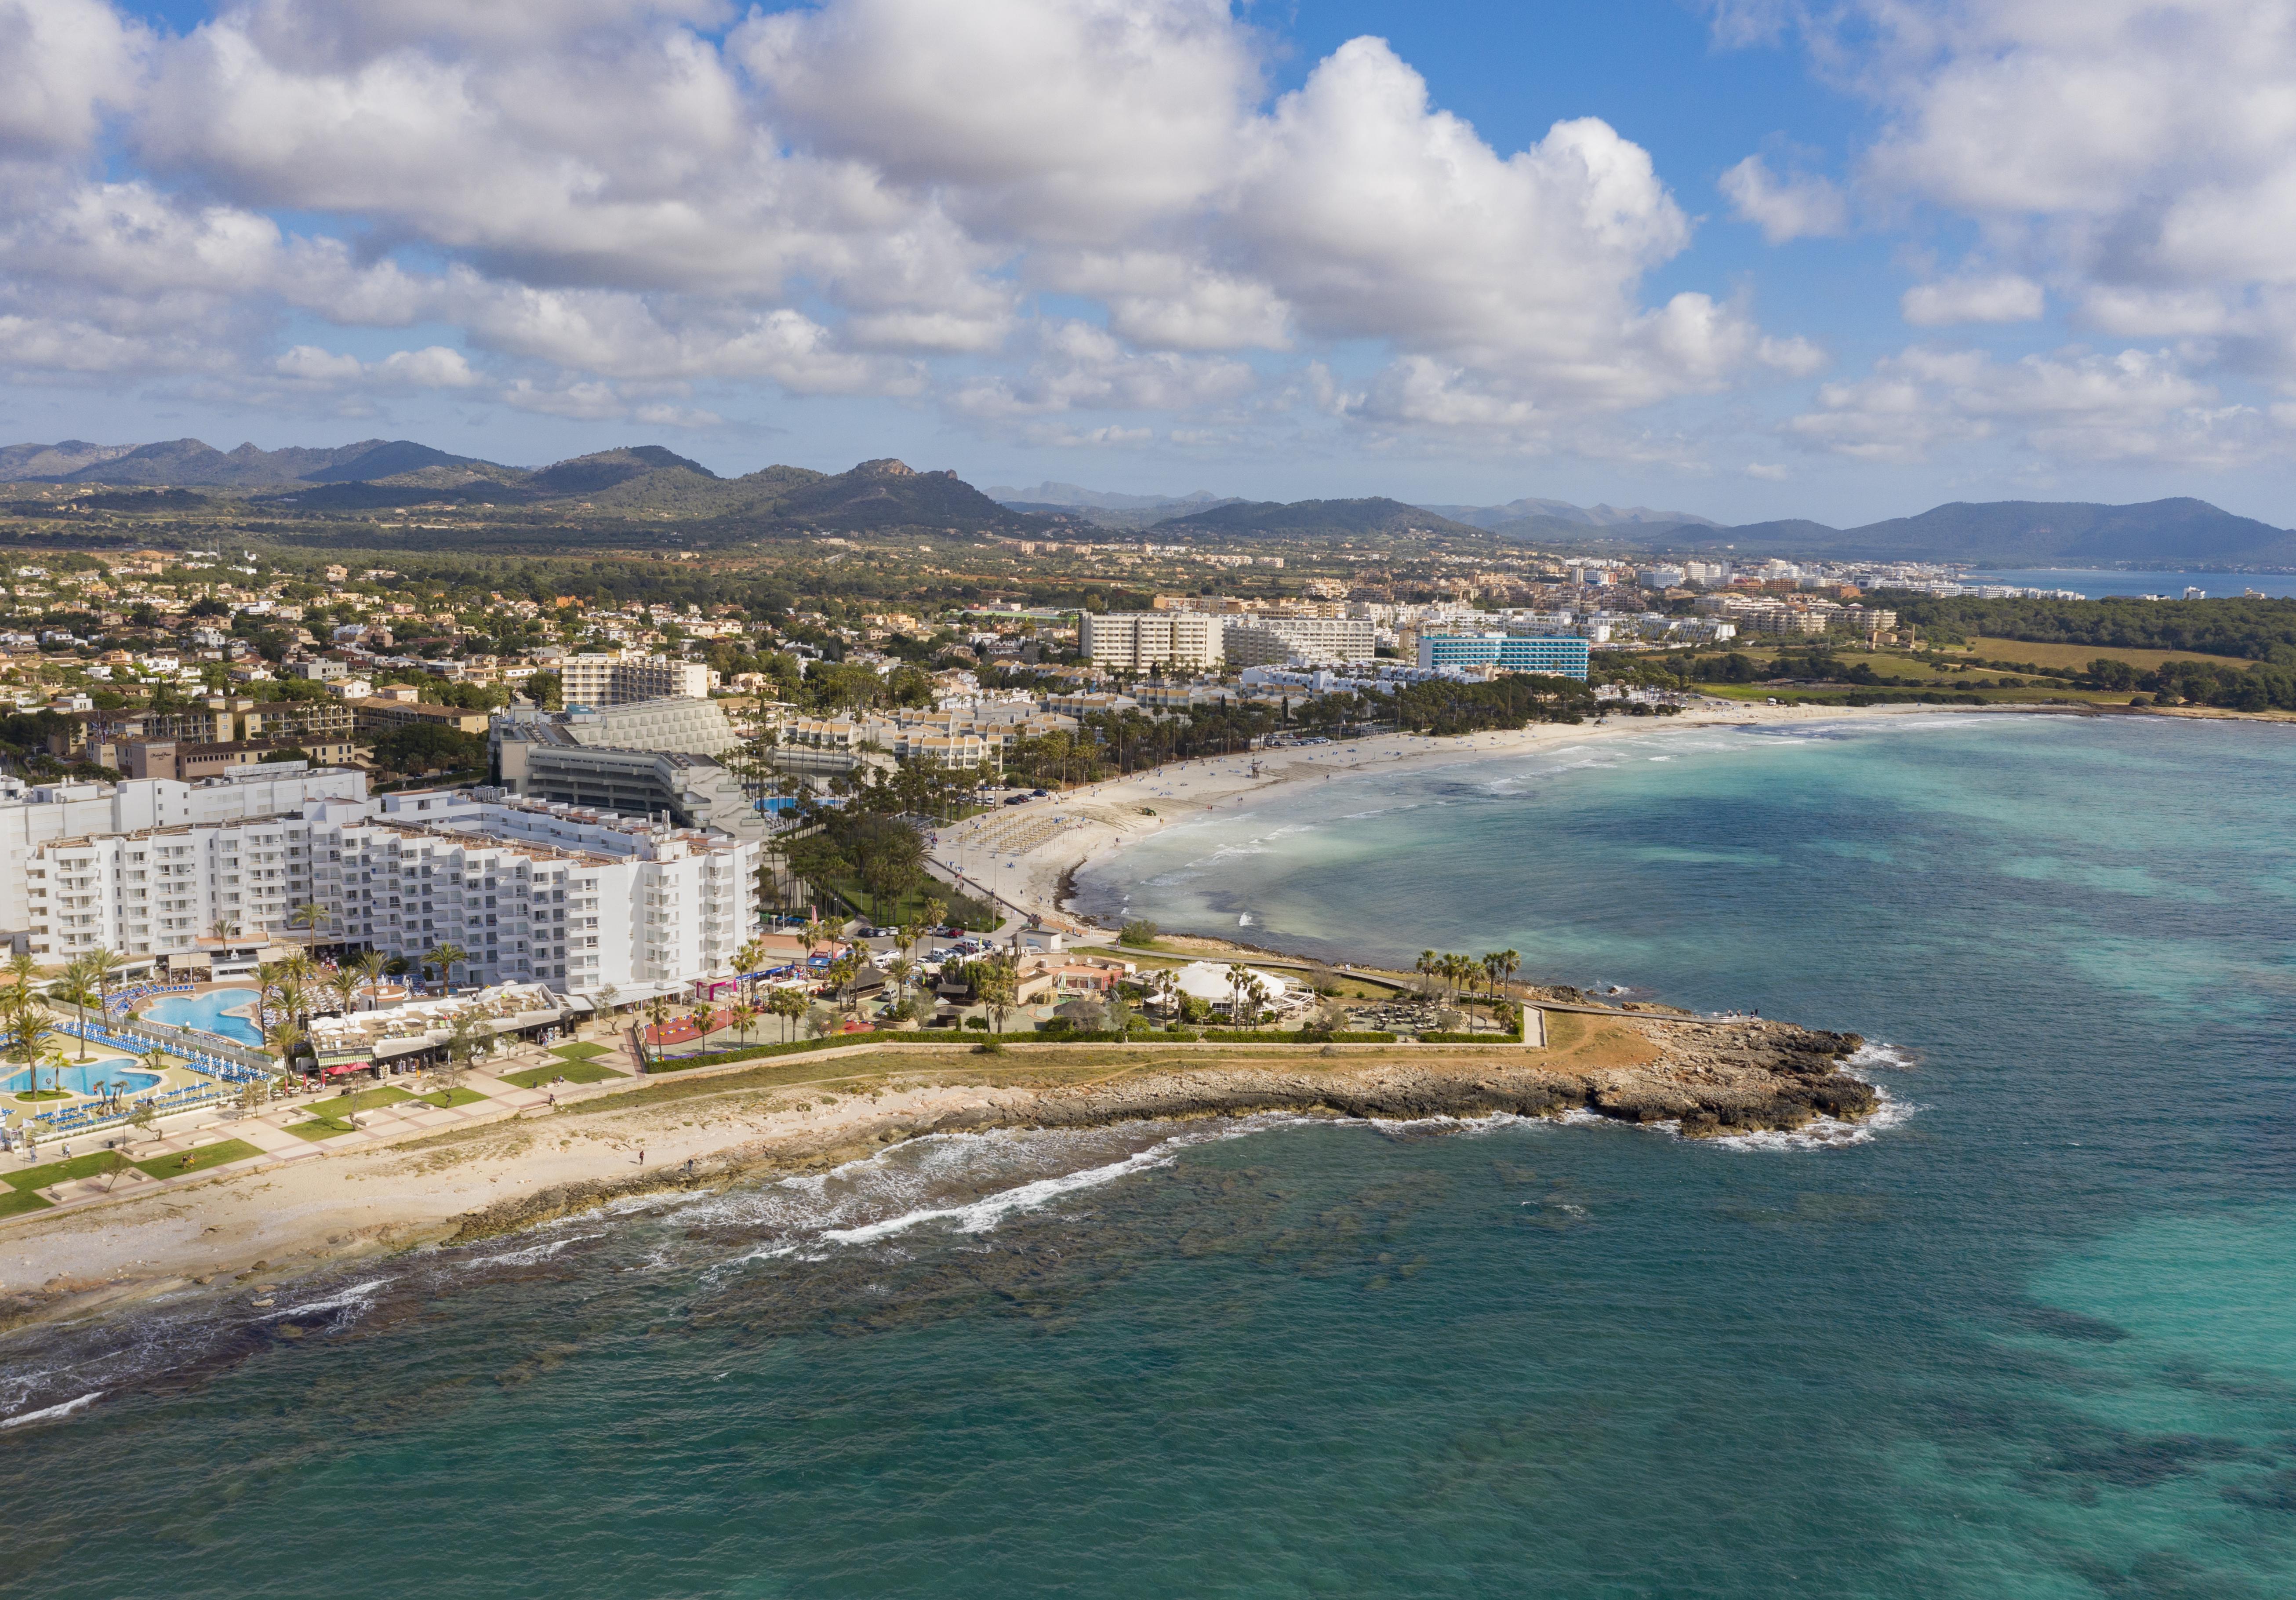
(87, 1077)
(205, 1013)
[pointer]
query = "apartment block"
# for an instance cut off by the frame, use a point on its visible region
(614, 680)
(1272, 640)
(531, 892)
(1562, 656)
(33, 818)
(1135, 641)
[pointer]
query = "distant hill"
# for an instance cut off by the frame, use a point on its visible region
(1073, 497)
(2038, 533)
(1515, 513)
(193, 463)
(611, 469)
(1368, 516)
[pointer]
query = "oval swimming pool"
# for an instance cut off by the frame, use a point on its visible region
(87, 1077)
(206, 1013)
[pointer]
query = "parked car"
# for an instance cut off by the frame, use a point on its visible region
(1038, 793)
(1017, 800)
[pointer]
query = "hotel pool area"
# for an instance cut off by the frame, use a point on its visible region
(86, 1078)
(206, 1013)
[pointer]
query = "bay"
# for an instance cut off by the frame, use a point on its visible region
(2032, 1337)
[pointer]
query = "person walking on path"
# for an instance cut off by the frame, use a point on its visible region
(641, 1158)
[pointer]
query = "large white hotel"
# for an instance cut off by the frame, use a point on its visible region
(532, 891)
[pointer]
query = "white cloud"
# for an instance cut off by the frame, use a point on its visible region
(1801, 206)
(61, 63)
(865, 197)
(1767, 471)
(2070, 406)
(2001, 299)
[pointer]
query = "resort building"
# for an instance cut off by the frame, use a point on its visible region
(1135, 641)
(531, 892)
(32, 818)
(1562, 656)
(614, 680)
(1271, 641)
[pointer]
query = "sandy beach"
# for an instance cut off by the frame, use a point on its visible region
(1094, 822)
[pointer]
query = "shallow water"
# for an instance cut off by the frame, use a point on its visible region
(2032, 1338)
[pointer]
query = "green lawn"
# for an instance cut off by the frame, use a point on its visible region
(330, 1118)
(447, 1099)
(29, 1096)
(584, 1050)
(572, 1071)
(204, 1158)
(24, 1180)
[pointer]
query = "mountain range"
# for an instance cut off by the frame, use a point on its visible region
(670, 491)
(640, 480)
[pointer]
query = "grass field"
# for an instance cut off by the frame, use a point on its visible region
(21, 1183)
(571, 1071)
(447, 1099)
(330, 1118)
(583, 1051)
(2075, 657)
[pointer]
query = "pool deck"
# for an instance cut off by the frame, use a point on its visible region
(268, 1130)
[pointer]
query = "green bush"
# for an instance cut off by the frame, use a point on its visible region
(1139, 931)
(1469, 1038)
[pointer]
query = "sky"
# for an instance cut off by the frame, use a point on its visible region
(1843, 259)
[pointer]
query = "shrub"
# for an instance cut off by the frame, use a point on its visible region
(1139, 931)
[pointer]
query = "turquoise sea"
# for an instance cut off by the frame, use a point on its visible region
(2035, 1336)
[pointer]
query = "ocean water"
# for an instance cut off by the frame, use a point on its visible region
(2097, 584)
(2034, 1336)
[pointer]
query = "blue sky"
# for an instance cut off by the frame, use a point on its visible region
(1747, 258)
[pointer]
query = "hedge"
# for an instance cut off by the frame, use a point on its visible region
(1470, 1039)
(1242, 1035)
(719, 1058)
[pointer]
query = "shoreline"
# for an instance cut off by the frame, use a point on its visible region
(255, 1229)
(1039, 883)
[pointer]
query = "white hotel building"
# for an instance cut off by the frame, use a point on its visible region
(532, 892)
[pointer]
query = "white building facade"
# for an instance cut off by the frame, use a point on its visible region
(613, 680)
(579, 900)
(1134, 641)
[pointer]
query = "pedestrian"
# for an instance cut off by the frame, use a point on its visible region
(641, 1158)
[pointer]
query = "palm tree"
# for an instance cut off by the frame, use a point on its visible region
(741, 1015)
(309, 914)
(224, 930)
(787, 1004)
(1426, 964)
(154, 1059)
(76, 988)
(934, 914)
(371, 967)
(749, 957)
(345, 987)
(446, 957)
(1238, 976)
(102, 965)
(284, 1036)
(999, 985)
(26, 1021)
(900, 969)
(657, 1012)
(812, 936)
(704, 1017)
